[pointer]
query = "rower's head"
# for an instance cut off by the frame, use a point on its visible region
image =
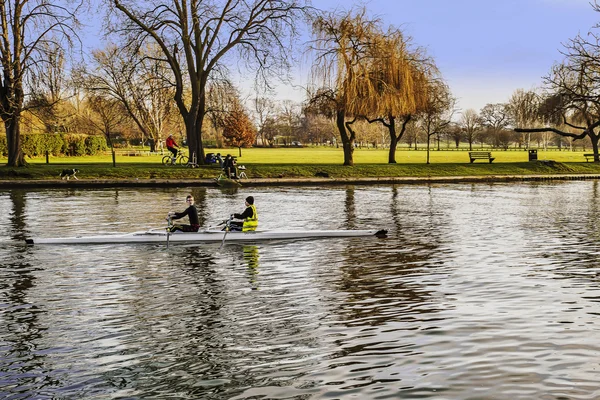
(190, 199)
(249, 200)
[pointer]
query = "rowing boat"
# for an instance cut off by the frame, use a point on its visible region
(205, 236)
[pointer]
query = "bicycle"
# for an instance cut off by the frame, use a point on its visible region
(178, 159)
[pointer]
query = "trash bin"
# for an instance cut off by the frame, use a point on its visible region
(532, 155)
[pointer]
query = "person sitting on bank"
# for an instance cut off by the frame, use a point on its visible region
(191, 212)
(229, 167)
(170, 142)
(249, 218)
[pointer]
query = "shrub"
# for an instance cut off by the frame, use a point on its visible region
(95, 145)
(3, 146)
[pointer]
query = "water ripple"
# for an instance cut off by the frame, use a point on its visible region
(481, 291)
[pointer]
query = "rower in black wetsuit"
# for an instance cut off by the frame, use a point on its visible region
(192, 214)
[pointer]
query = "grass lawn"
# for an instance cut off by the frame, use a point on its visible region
(305, 162)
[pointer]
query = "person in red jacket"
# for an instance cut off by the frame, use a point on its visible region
(170, 142)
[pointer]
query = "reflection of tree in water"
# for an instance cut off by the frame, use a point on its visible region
(17, 215)
(576, 234)
(193, 332)
(200, 199)
(382, 274)
(350, 208)
(21, 364)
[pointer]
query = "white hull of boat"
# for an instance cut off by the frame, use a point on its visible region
(161, 236)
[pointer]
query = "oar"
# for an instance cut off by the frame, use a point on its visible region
(226, 231)
(168, 229)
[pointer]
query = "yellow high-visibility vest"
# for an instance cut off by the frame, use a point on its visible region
(251, 223)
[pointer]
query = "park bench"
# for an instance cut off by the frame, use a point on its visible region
(589, 156)
(481, 155)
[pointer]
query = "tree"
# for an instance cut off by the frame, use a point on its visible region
(238, 129)
(470, 123)
(196, 36)
(29, 28)
(495, 117)
(378, 77)
(571, 107)
(104, 116)
(138, 82)
(342, 45)
(222, 98)
(264, 109)
(523, 109)
(396, 85)
(48, 84)
(437, 114)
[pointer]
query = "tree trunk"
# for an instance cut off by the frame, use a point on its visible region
(347, 141)
(594, 139)
(395, 138)
(393, 144)
(12, 125)
(428, 146)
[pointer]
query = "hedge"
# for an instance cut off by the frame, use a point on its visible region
(36, 145)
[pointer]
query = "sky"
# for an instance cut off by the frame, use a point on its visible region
(485, 49)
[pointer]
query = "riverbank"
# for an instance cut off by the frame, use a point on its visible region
(300, 168)
(257, 182)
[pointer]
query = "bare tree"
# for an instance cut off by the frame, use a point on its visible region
(48, 84)
(138, 82)
(264, 109)
(437, 114)
(196, 36)
(571, 107)
(470, 123)
(221, 99)
(104, 115)
(29, 29)
(290, 117)
(495, 117)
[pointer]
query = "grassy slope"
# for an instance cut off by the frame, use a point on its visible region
(305, 162)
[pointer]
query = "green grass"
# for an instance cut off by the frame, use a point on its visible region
(305, 162)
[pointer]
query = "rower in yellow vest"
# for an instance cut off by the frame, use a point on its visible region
(249, 218)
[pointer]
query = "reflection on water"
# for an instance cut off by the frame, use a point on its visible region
(480, 291)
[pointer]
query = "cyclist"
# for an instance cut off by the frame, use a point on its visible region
(170, 142)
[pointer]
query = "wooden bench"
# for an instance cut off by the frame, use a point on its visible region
(481, 155)
(589, 156)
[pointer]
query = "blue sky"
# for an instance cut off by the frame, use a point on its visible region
(486, 49)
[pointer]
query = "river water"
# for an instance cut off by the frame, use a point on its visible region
(481, 291)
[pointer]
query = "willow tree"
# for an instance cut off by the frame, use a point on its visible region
(378, 76)
(28, 29)
(394, 88)
(341, 45)
(523, 108)
(197, 37)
